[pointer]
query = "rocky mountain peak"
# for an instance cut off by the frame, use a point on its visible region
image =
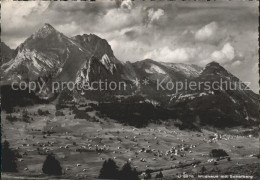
(47, 25)
(45, 31)
(214, 68)
(94, 44)
(213, 63)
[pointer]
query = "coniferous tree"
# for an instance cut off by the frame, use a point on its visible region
(51, 166)
(109, 170)
(128, 173)
(8, 158)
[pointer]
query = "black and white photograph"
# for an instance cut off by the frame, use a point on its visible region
(130, 89)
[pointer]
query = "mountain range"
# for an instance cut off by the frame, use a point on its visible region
(85, 58)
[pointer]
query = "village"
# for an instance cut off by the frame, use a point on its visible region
(82, 145)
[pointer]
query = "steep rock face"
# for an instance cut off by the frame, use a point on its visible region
(6, 53)
(43, 53)
(29, 64)
(94, 44)
(48, 52)
(47, 40)
(108, 64)
(96, 69)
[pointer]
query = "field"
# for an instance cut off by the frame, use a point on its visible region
(82, 145)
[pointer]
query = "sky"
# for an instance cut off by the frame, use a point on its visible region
(168, 31)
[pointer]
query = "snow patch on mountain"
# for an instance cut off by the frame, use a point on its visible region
(187, 69)
(155, 69)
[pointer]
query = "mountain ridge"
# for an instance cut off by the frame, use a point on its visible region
(88, 44)
(87, 58)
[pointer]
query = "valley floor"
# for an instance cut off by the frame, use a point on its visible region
(81, 146)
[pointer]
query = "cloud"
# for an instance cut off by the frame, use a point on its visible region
(210, 33)
(166, 54)
(127, 4)
(18, 20)
(125, 52)
(131, 34)
(69, 28)
(236, 63)
(226, 54)
(228, 51)
(206, 32)
(14, 15)
(117, 19)
(154, 15)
